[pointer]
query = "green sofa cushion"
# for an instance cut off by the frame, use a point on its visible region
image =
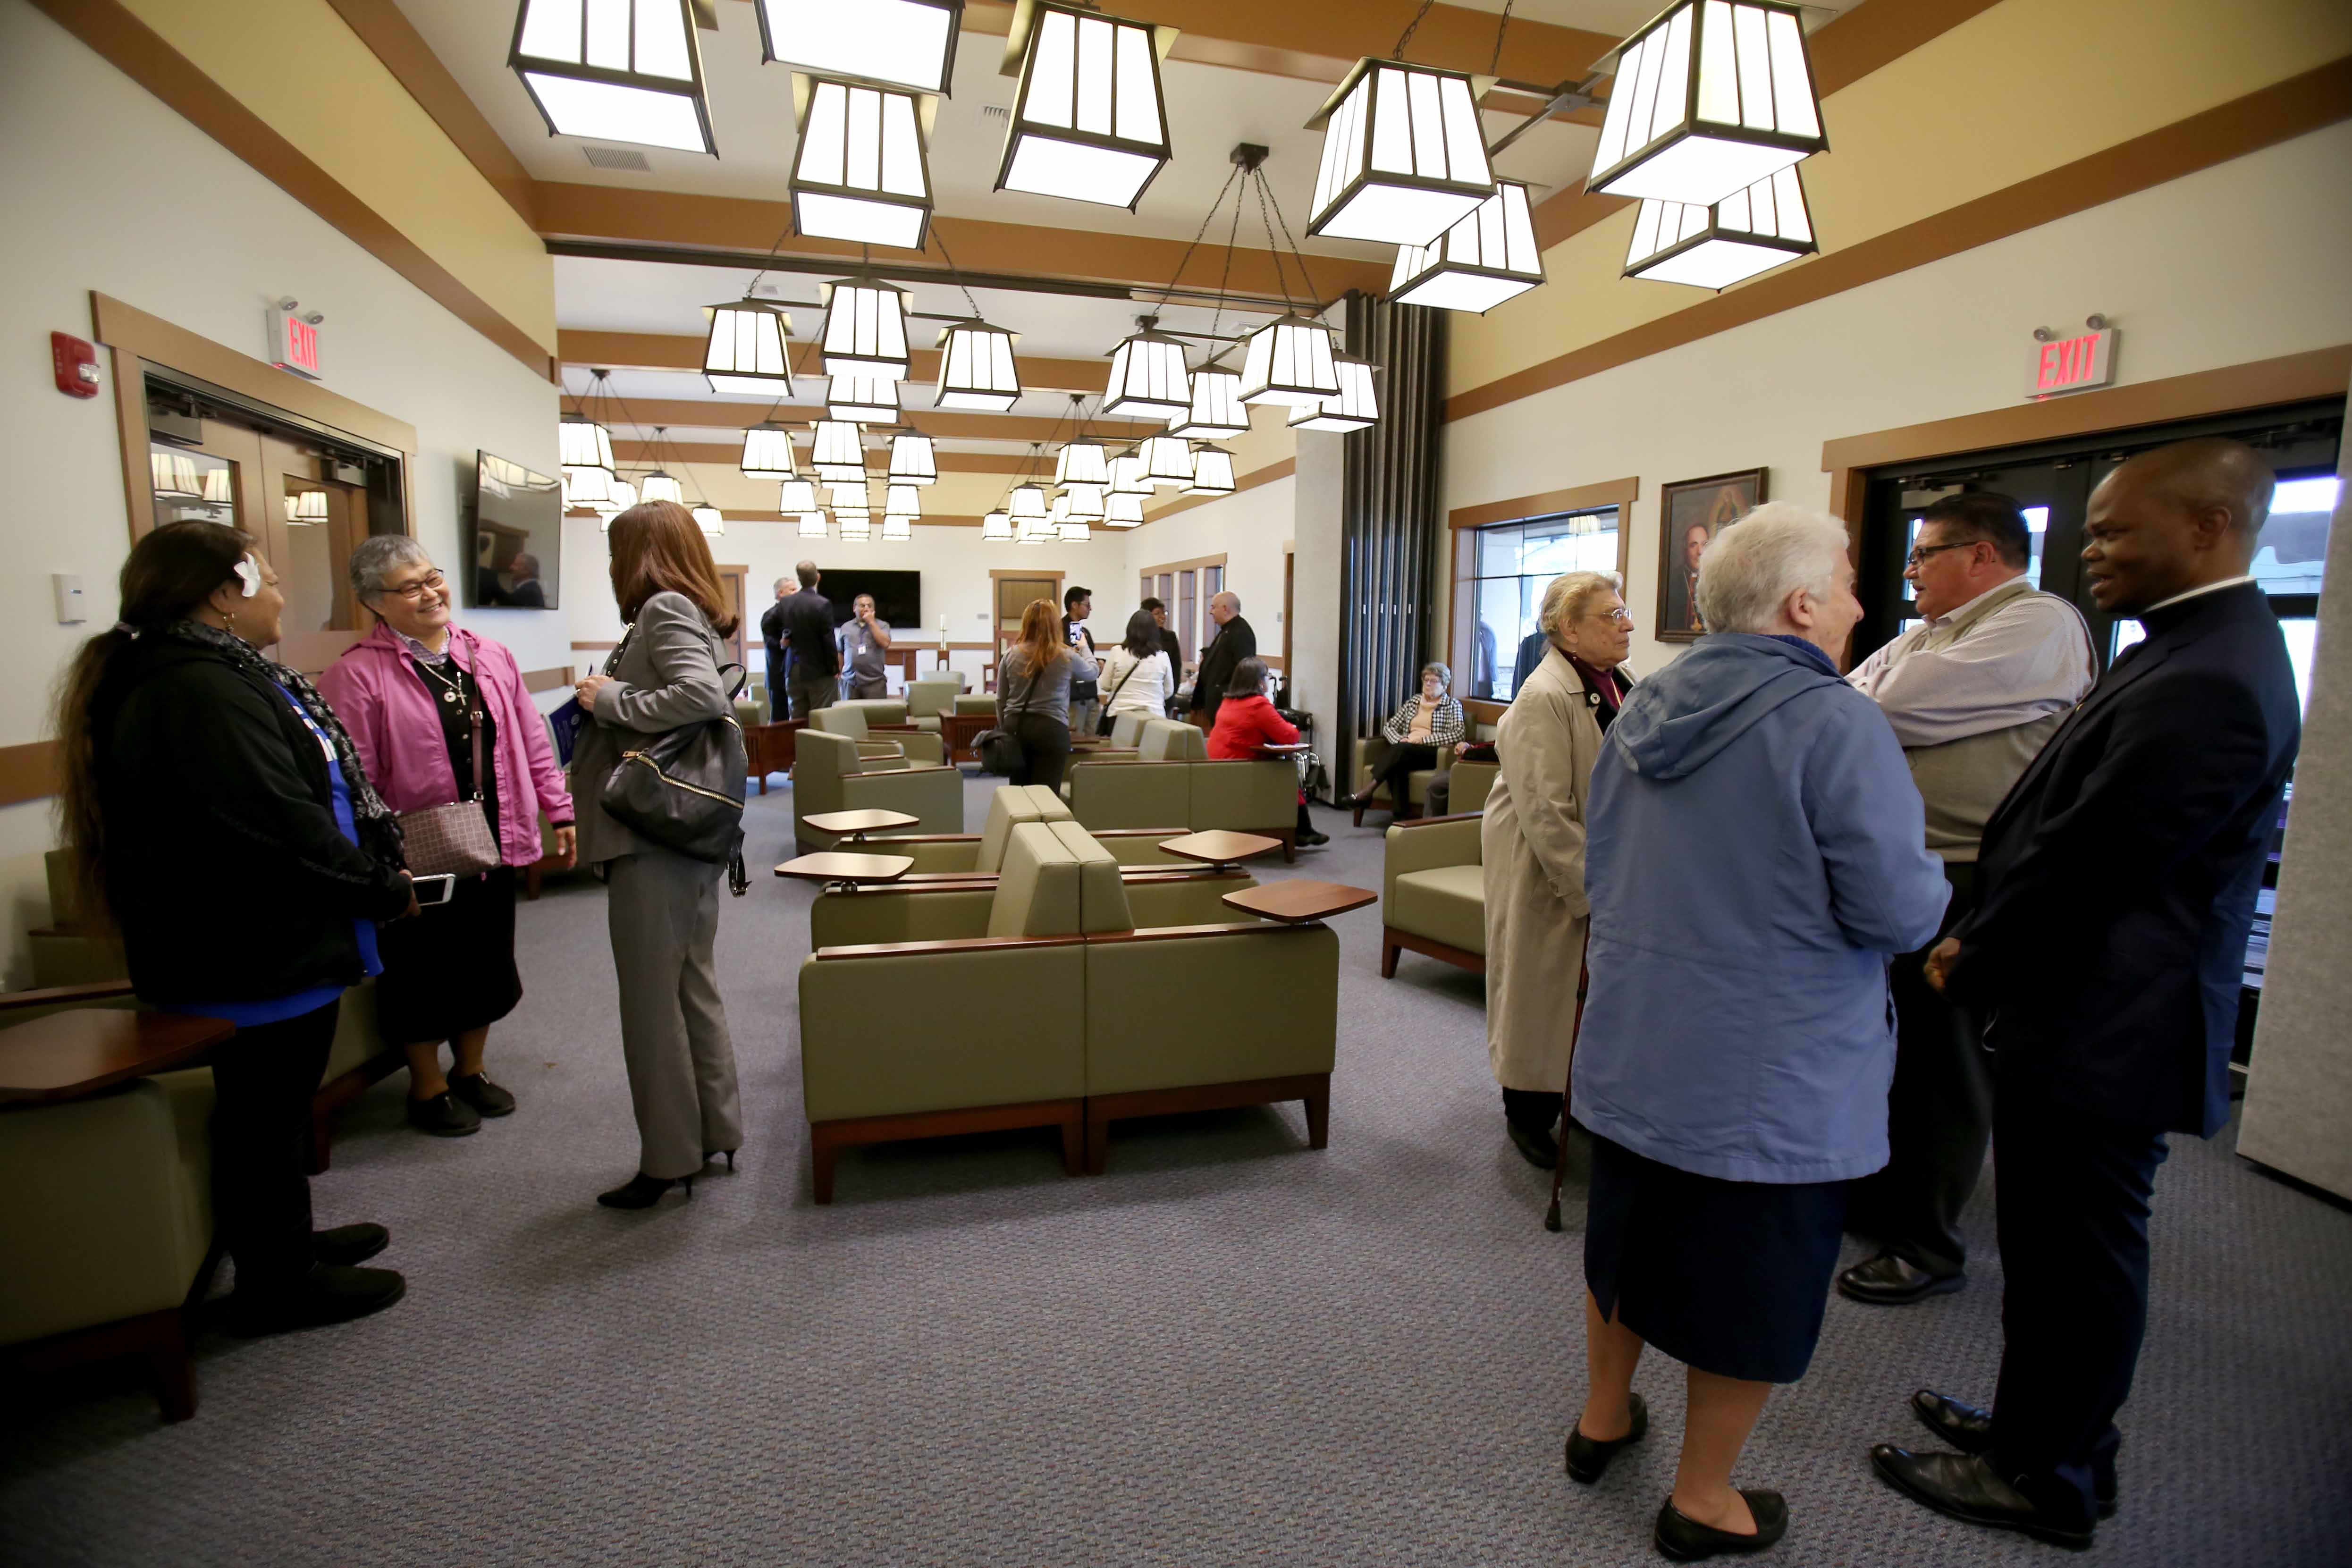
(1444, 903)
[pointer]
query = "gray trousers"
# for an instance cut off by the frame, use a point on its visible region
(862, 690)
(814, 693)
(663, 913)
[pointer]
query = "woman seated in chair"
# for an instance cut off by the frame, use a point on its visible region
(1427, 722)
(1247, 721)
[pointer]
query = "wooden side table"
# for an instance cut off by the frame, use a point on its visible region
(845, 873)
(70, 1055)
(1296, 902)
(1222, 847)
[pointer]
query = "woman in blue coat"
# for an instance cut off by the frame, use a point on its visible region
(1755, 858)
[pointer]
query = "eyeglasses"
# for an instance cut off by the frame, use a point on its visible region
(431, 583)
(1920, 552)
(1620, 616)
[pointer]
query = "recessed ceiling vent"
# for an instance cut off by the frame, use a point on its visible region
(994, 112)
(627, 158)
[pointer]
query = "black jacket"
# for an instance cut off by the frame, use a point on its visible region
(771, 636)
(2117, 879)
(1236, 642)
(808, 628)
(225, 868)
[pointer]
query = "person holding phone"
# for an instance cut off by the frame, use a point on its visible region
(221, 818)
(409, 692)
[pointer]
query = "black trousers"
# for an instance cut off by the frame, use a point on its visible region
(262, 1083)
(1533, 1110)
(1938, 1115)
(2074, 1250)
(1044, 750)
(1404, 758)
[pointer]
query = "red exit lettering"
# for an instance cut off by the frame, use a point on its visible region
(301, 343)
(2069, 363)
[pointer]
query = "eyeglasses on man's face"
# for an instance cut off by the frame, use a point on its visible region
(431, 583)
(1921, 551)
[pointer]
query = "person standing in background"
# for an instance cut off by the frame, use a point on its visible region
(1171, 645)
(815, 675)
(525, 593)
(1135, 675)
(1033, 684)
(771, 638)
(1234, 642)
(865, 645)
(1085, 696)
(1972, 694)
(2115, 889)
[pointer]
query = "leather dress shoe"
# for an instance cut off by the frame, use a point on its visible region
(1965, 1486)
(328, 1293)
(1969, 1430)
(1542, 1150)
(349, 1244)
(1887, 1280)
(1685, 1539)
(477, 1090)
(1588, 1457)
(444, 1116)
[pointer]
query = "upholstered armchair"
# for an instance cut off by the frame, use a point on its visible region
(931, 698)
(829, 775)
(1472, 784)
(963, 854)
(1433, 892)
(856, 721)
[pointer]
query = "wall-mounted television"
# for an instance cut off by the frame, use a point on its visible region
(517, 537)
(897, 595)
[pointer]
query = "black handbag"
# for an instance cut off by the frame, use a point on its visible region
(684, 790)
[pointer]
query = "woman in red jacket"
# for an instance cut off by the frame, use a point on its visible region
(1246, 720)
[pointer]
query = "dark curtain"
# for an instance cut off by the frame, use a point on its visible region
(1390, 527)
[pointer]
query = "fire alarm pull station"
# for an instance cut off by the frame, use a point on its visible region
(75, 363)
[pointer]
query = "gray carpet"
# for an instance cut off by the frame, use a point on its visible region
(1229, 1350)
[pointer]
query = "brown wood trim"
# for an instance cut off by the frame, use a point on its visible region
(1450, 817)
(1195, 564)
(662, 351)
(1182, 933)
(140, 52)
(1391, 938)
(1622, 492)
(958, 945)
(1102, 1109)
(1137, 832)
(729, 457)
(948, 424)
(65, 995)
(593, 647)
(1265, 475)
(2261, 119)
(158, 1338)
(535, 680)
(1484, 711)
(412, 62)
(29, 771)
(827, 1139)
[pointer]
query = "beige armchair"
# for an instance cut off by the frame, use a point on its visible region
(829, 775)
(1172, 780)
(963, 854)
(931, 698)
(1433, 892)
(1472, 784)
(879, 741)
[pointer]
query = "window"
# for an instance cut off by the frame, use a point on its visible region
(1511, 565)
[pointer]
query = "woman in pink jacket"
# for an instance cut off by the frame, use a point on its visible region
(405, 692)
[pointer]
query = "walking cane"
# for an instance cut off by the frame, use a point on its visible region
(1560, 1153)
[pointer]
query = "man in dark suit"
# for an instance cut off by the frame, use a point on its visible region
(2117, 888)
(771, 638)
(816, 674)
(1236, 642)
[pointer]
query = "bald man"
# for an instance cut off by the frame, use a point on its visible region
(1234, 642)
(2117, 885)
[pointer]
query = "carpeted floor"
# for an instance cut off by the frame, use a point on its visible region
(1228, 1349)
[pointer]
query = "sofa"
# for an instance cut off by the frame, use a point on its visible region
(828, 774)
(1046, 1029)
(1171, 780)
(965, 854)
(1433, 892)
(1468, 789)
(854, 719)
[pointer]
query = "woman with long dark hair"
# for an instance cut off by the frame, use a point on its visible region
(1032, 693)
(221, 820)
(661, 906)
(1137, 676)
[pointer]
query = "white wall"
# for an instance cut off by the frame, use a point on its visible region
(1249, 528)
(109, 190)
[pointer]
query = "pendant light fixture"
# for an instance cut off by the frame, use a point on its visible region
(897, 529)
(1711, 97)
(619, 498)
(856, 528)
(996, 528)
(865, 329)
(913, 459)
(796, 495)
(1027, 504)
(710, 520)
(768, 453)
(1167, 461)
(1403, 157)
(839, 457)
(582, 443)
(1089, 121)
(1748, 232)
(1216, 409)
(900, 43)
(617, 70)
(1083, 460)
(745, 350)
(976, 367)
(1122, 511)
(1213, 472)
(861, 170)
(812, 525)
(585, 486)
(1356, 406)
(1148, 378)
(306, 508)
(902, 500)
(658, 484)
(1073, 532)
(849, 498)
(173, 476)
(1084, 502)
(1488, 257)
(1127, 475)
(862, 399)
(1289, 360)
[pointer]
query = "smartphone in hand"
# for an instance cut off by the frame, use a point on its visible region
(431, 891)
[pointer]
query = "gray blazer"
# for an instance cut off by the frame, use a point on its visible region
(664, 673)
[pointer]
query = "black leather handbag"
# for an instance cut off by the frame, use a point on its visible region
(684, 789)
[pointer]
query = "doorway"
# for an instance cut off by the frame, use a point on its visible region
(731, 580)
(1014, 593)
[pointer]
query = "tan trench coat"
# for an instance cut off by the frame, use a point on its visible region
(1533, 845)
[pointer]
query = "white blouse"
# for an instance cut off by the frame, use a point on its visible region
(1145, 691)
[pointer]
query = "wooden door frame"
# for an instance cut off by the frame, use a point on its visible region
(997, 635)
(743, 623)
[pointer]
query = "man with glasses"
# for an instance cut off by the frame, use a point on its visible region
(1972, 692)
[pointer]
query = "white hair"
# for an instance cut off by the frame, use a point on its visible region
(377, 554)
(1570, 594)
(1751, 566)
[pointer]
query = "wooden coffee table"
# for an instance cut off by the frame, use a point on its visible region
(854, 826)
(845, 873)
(1220, 847)
(1296, 902)
(69, 1054)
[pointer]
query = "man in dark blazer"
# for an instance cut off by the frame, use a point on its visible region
(771, 638)
(1236, 642)
(816, 674)
(2118, 879)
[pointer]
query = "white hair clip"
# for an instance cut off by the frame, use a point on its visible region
(250, 575)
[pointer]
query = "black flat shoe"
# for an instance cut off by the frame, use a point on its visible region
(477, 1090)
(444, 1116)
(348, 1243)
(328, 1293)
(1964, 1487)
(1588, 1457)
(1538, 1149)
(1685, 1539)
(1313, 840)
(1887, 1280)
(642, 1191)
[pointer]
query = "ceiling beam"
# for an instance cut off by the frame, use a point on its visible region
(658, 351)
(944, 423)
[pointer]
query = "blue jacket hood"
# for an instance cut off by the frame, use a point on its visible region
(1677, 721)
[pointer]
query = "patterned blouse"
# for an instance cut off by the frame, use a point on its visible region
(1444, 726)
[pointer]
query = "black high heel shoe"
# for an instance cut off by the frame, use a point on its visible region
(1588, 1457)
(642, 1191)
(710, 1154)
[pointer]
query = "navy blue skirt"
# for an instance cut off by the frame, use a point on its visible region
(1728, 1277)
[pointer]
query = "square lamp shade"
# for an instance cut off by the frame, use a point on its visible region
(812, 525)
(1082, 462)
(617, 70)
(897, 528)
(582, 443)
(976, 368)
(866, 329)
(1026, 504)
(902, 500)
(1088, 122)
(1167, 461)
(840, 455)
(1403, 157)
(173, 474)
(306, 508)
(1083, 503)
(913, 459)
(1355, 408)
(745, 350)
(768, 454)
(1289, 360)
(1147, 379)
(1213, 472)
(1035, 530)
(619, 497)
(861, 172)
(1123, 511)
(587, 487)
(848, 499)
(1126, 478)
(1073, 532)
(996, 528)
(710, 520)
(659, 486)
(1746, 233)
(862, 399)
(1488, 257)
(856, 529)
(1216, 407)
(1711, 97)
(896, 43)
(796, 495)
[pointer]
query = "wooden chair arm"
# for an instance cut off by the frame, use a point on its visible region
(960, 944)
(66, 995)
(1408, 826)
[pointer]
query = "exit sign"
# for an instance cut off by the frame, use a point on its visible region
(294, 342)
(2073, 365)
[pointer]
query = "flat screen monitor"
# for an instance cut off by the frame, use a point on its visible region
(897, 595)
(517, 537)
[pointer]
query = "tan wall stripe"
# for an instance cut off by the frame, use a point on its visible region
(29, 771)
(2274, 114)
(1583, 498)
(954, 424)
(547, 679)
(1249, 481)
(412, 62)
